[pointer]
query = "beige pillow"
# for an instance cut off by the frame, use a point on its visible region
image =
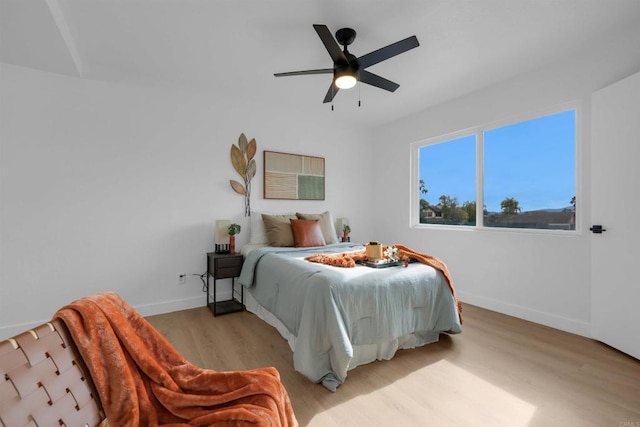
(326, 224)
(278, 229)
(307, 233)
(257, 232)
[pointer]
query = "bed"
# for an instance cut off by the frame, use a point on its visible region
(336, 319)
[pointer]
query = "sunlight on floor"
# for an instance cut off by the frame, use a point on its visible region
(448, 396)
(485, 402)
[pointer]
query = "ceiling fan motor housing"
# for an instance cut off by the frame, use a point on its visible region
(351, 66)
(345, 36)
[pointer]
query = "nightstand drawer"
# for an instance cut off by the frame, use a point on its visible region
(228, 262)
(223, 267)
(225, 273)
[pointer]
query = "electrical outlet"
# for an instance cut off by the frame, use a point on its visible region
(182, 278)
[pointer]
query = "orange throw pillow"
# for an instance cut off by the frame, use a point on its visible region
(307, 233)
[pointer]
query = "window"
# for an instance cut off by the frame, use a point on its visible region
(528, 171)
(448, 182)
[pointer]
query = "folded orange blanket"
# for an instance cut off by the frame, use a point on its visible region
(349, 259)
(143, 381)
(346, 259)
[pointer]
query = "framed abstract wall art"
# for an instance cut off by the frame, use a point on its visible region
(293, 176)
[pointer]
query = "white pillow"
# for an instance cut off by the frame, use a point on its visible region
(258, 231)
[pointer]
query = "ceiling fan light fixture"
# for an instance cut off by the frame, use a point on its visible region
(346, 81)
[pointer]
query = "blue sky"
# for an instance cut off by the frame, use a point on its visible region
(532, 162)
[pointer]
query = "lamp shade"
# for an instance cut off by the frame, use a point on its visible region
(222, 232)
(341, 223)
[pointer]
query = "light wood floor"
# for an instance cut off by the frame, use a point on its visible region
(500, 371)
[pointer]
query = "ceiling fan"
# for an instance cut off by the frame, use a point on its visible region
(347, 69)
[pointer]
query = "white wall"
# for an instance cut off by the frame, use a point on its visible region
(543, 278)
(108, 187)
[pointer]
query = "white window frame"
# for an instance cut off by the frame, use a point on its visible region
(478, 131)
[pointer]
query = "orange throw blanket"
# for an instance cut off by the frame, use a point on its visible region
(143, 381)
(349, 259)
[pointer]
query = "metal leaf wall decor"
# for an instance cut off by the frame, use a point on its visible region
(243, 161)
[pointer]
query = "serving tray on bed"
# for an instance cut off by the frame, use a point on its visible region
(379, 264)
(382, 264)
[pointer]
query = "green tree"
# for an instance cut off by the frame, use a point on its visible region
(470, 209)
(422, 187)
(510, 206)
(573, 216)
(448, 204)
(573, 206)
(459, 216)
(451, 212)
(423, 203)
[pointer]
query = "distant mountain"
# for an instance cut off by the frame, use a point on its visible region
(543, 218)
(565, 209)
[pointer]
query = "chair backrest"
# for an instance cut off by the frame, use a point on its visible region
(44, 381)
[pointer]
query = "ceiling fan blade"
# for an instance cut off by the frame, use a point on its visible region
(305, 72)
(330, 43)
(331, 93)
(377, 81)
(387, 52)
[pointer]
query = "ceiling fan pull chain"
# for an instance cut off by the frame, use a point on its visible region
(333, 94)
(359, 86)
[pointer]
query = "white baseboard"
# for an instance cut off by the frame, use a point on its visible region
(566, 324)
(144, 310)
(170, 306)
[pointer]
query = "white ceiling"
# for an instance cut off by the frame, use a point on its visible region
(233, 47)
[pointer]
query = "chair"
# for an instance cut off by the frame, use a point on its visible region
(45, 376)
(44, 381)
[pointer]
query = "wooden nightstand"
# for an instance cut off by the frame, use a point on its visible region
(225, 266)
